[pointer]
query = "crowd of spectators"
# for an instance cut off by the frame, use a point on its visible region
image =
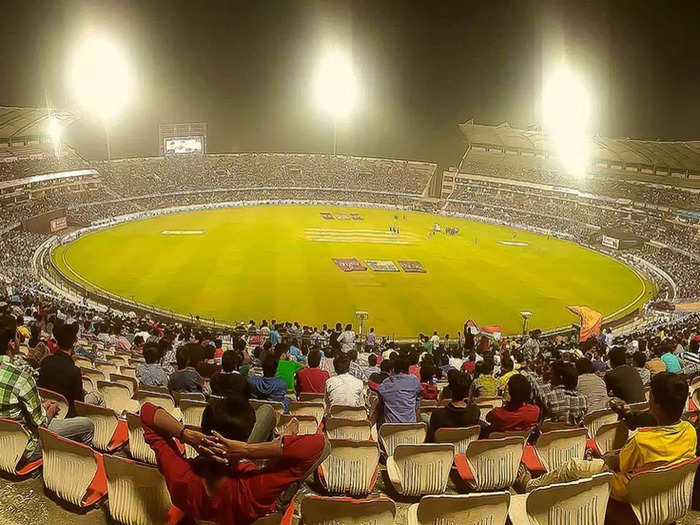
(43, 160)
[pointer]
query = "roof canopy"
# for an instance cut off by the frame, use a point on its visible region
(17, 122)
(683, 155)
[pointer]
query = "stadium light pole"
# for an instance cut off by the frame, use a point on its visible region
(55, 134)
(335, 88)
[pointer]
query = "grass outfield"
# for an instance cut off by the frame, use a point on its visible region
(257, 262)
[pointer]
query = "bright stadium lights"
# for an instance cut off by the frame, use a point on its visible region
(335, 87)
(566, 118)
(54, 130)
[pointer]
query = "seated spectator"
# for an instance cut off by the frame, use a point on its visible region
(372, 367)
(186, 378)
(229, 382)
(672, 363)
(640, 360)
(413, 368)
(208, 366)
(269, 387)
(288, 367)
(398, 395)
(430, 391)
(457, 413)
(623, 381)
(151, 373)
(506, 372)
(446, 392)
(591, 385)
(456, 360)
(312, 379)
(469, 364)
(485, 385)
(385, 370)
(656, 364)
(221, 484)
(355, 368)
(137, 346)
(564, 403)
(516, 413)
(343, 388)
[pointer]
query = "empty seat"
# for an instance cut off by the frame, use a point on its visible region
(471, 509)
(82, 361)
(138, 494)
(107, 368)
(348, 412)
(128, 371)
(278, 407)
(72, 471)
(190, 396)
(339, 428)
(351, 468)
(307, 424)
(13, 442)
(111, 432)
(559, 446)
(582, 502)
(138, 448)
(490, 464)
(312, 396)
(156, 389)
(88, 385)
(118, 360)
(415, 470)
(393, 434)
(663, 495)
(61, 402)
(93, 374)
(319, 510)
(307, 408)
(192, 412)
(459, 437)
(117, 397)
(594, 420)
(162, 400)
(127, 381)
(611, 436)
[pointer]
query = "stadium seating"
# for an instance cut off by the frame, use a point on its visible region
(610, 437)
(61, 402)
(127, 381)
(117, 397)
(165, 401)
(559, 446)
(415, 470)
(318, 510)
(348, 412)
(339, 428)
(460, 437)
(393, 434)
(192, 411)
(351, 468)
(490, 464)
(307, 408)
(13, 442)
(110, 433)
(307, 424)
(138, 448)
(472, 509)
(594, 420)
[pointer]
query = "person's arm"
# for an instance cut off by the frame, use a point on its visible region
(29, 396)
(232, 450)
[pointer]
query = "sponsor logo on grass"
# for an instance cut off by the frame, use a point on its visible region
(350, 265)
(341, 216)
(514, 243)
(412, 267)
(182, 232)
(379, 265)
(356, 217)
(355, 235)
(327, 216)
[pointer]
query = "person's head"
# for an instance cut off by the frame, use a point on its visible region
(138, 340)
(151, 353)
(639, 358)
(230, 361)
(66, 335)
(209, 351)
(519, 390)
(617, 356)
(341, 363)
(348, 327)
(372, 360)
(352, 355)
(487, 366)
(386, 366)
(182, 356)
(314, 358)
(564, 374)
(427, 372)
(668, 396)
(232, 417)
(401, 365)
(8, 335)
(269, 365)
(459, 385)
(196, 354)
(506, 364)
(584, 366)
(338, 327)
(282, 351)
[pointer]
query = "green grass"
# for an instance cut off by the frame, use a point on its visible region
(258, 262)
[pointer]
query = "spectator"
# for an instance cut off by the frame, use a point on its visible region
(287, 368)
(591, 386)
(312, 379)
(346, 339)
(186, 378)
(370, 341)
(274, 337)
(58, 372)
(398, 395)
(372, 367)
(269, 387)
(430, 391)
(656, 365)
(137, 346)
(229, 382)
(564, 403)
(208, 366)
(640, 360)
(623, 381)
(151, 373)
(672, 363)
(385, 370)
(485, 385)
(355, 368)
(506, 372)
(457, 413)
(344, 389)
(516, 413)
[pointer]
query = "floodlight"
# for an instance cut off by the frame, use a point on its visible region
(335, 84)
(54, 130)
(566, 116)
(100, 76)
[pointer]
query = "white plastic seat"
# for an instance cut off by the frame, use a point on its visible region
(559, 446)
(491, 464)
(611, 436)
(277, 406)
(82, 362)
(319, 510)
(118, 360)
(110, 431)
(339, 428)
(138, 448)
(415, 470)
(471, 509)
(117, 397)
(13, 442)
(192, 412)
(348, 412)
(583, 502)
(88, 385)
(93, 374)
(189, 396)
(351, 468)
(393, 434)
(307, 408)
(156, 389)
(164, 401)
(61, 401)
(459, 437)
(138, 494)
(594, 420)
(127, 381)
(107, 368)
(307, 424)
(313, 397)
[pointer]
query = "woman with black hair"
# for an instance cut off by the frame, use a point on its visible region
(516, 413)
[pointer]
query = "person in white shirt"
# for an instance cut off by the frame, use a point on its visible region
(344, 389)
(435, 340)
(264, 329)
(347, 339)
(456, 360)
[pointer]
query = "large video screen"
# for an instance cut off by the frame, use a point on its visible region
(58, 224)
(183, 145)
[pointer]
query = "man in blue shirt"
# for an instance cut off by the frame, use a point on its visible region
(274, 336)
(269, 387)
(398, 395)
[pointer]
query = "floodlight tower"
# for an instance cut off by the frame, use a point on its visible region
(525, 314)
(335, 88)
(55, 134)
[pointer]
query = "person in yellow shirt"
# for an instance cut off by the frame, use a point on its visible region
(671, 441)
(506, 372)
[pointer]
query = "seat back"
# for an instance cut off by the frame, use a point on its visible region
(663, 495)
(192, 412)
(583, 501)
(494, 463)
(189, 396)
(393, 434)
(138, 448)
(13, 440)
(127, 381)
(104, 419)
(82, 362)
(307, 408)
(118, 360)
(559, 446)
(137, 493)
(162, 400)
(116, 395)
(351, 467)
(459, 437)
(156, 389)
(339, 428)
(470, 509)
(484, 409)
(69, 467)
(88, 384)
(61, 401)
(307, 424)
(93, 374)
(277, 406)
(611, 436)
(594, 420)
(348, 412)
(319, 510)
(312, 396)
(424, 468)
(107, 368)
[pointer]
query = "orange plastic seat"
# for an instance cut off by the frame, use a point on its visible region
(351, 468)
(393, 434)
(111, 432)
(319, 510)
(471, 509)
(13, 442)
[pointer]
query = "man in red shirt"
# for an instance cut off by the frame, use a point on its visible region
(312, 378)
(516, 413)
(221, 485)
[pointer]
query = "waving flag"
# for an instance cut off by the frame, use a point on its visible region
(590, 321)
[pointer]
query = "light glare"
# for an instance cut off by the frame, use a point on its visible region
(54, 129)
(335, 86)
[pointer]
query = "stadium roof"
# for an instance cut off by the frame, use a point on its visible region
(684, 155)
(18, 122)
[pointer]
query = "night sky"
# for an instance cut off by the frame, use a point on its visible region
(423, 67)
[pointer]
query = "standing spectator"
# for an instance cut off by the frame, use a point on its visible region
(435, 340)
(58, 372)
(269, 387)
(640, 359)
(370, 341)
(344, 388)
(506, 372)
(398, 395)
(564, 403)
(347, 339)
(151, 373)
(312, 378)
(623, 380)
(186, 378)
(516, 413)
(287, 368)
(229, 382)
(457, 413)
(274, 336)
(591, 385)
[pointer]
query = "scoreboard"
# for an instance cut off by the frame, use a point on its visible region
(184, 138)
